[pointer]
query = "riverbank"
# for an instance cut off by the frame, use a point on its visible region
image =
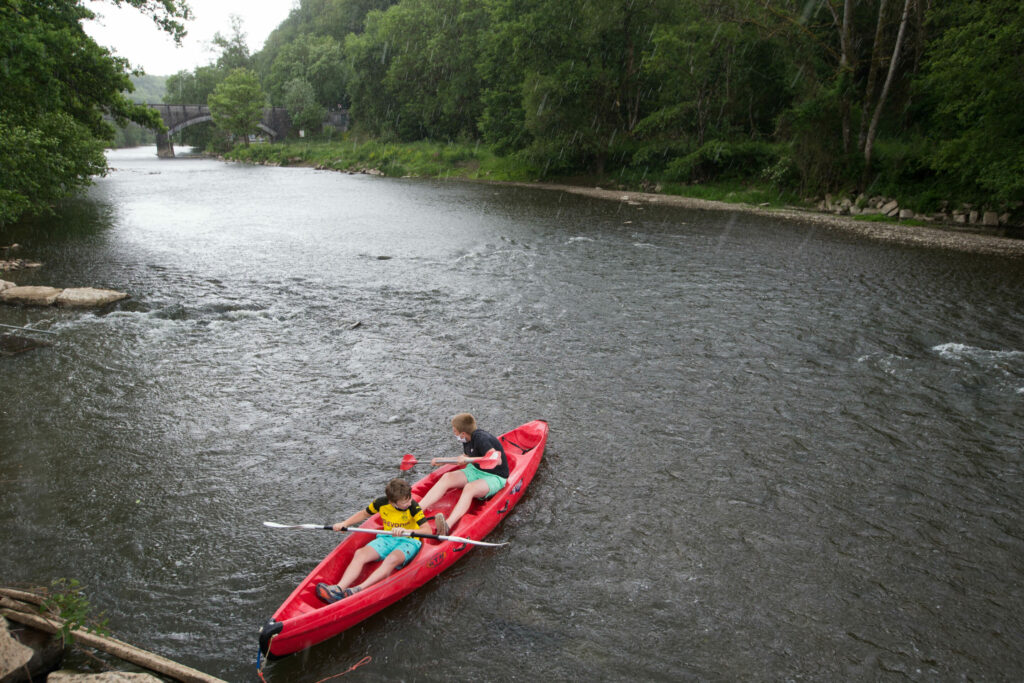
(946, 237)
(477, 164)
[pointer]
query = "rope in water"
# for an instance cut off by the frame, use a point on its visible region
(365, 660)
(262, 661)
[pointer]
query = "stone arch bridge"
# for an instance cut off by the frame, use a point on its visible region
(177, 117)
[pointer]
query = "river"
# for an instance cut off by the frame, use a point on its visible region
(777, 452)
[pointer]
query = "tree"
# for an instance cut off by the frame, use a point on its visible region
(577, 70)
(236, 105)
(366, 57)
(194, 87)
(234, 50)
(317, 60)
(713, 78)
(432, 71)
(331, 18)
(842, 49)
(973, 76)
(56, 85)
(867, 140)
(300, 100)
(413, 70)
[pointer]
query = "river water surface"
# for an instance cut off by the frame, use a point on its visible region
(776, 452)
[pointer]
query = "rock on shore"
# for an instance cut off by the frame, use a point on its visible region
(13, 655)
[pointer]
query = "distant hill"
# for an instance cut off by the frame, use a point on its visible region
(148, 89)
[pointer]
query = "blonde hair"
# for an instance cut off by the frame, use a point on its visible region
(397, 490)
(464, 422)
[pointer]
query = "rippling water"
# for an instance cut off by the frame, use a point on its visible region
(776, 452)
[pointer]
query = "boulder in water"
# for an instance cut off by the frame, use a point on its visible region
(73, 297)
(30, 296)
(88, 297)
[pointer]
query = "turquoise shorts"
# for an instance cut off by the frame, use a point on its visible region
(494, 482)
(385, 545)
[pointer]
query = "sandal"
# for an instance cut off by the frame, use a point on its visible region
(440, 525)
(330, 594)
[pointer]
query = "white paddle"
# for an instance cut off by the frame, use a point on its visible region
(414, 534)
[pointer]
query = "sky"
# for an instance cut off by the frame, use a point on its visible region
(133, 35)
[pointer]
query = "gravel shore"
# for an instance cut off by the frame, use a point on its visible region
(938, 237)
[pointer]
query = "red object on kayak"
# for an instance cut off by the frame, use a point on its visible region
(303, 620)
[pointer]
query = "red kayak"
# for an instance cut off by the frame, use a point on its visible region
(303, 620)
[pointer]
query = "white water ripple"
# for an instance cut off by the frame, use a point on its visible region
(957, 351)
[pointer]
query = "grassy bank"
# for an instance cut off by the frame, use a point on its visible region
(471, 161)
(478, 162)
(409, 159)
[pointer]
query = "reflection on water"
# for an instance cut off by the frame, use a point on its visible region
(72, 219)
(775, 452)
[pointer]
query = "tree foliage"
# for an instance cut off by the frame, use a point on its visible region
(300, 100)
(975, 78)
(828, 95)
(317, 60)
(237, 103)
(56, 85)
(334, 18)
(234, 49)
(414, 69)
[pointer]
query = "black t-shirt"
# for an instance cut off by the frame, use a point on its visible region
(479, 444)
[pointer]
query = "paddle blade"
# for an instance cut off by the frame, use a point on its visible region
(275, 525)
(408, 461)
(489, 462)
(470, 541)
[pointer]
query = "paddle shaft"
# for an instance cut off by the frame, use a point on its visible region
(486, 462)
(417, 534)
(28, 329)
(414, 534)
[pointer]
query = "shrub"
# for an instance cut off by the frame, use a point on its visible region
(718, 160)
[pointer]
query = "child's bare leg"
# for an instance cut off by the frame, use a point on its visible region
(451, 480)
(359, 560)
(394, 559)
(477, 489)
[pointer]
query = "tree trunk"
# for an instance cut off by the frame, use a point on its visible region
(873, 68)
(845, 67)
(869, 142)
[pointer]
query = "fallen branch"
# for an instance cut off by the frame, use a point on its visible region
(129, 653)
(23, 596)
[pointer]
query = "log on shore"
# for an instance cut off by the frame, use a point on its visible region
(23, 608)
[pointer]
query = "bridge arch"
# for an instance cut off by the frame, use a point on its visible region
(177, 117)
(207, 117)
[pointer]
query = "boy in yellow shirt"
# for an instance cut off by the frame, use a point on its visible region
(393, 547)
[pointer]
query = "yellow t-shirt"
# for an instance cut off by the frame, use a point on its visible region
(391, 517)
